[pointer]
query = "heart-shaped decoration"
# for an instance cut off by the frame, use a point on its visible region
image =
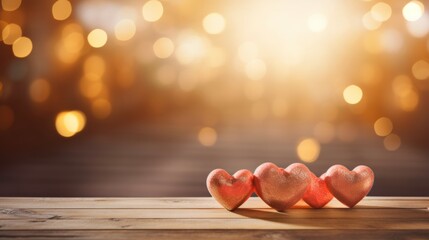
(318, 194)
(349, 187)
(230, 191)
(281, 188)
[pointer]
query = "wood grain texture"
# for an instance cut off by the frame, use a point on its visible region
(203, 218)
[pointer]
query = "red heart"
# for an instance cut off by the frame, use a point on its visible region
(317, 194)
(230, 191)
(281, 188)
(349, 187)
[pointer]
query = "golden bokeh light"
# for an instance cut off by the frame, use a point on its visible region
(255, 69)
(163, 47)
(352, 94)
(409, 102)
(420, 70)
(369, 22)
(61, 10)
(90, 87)
(101, 108)
(69, 123)
(94, 67)
(1, 88)
(10, 5)
(216, 57)
(125, 29)
(71, 43)
(22, 47)
(381, 11)
(317, 22)
(10, 33)
(413, 11)
(152, 10)
(214, 23)
(39, 90)
(308, 150)
(7, 117)
(392, 142)
(254, 90)
(97, 38)
(190, 49)
(383, 126)
(207, 136)
(248, 51)
(279, 107)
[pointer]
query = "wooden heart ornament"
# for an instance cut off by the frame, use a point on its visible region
(349, 187)
(230, 191)
(281, 188)
(318, 194)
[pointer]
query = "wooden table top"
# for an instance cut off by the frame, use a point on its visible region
(203, 218)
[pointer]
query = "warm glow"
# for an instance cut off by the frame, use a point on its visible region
(39, 90)
(317, 23)
(369, 22)
(7, 117)
(392, 142)
(61, 10)
(97, 38)
(10, 33)
(420, 70)
(71, 43)
(247, 51)
(163, 47)
(69, 123)
(214, 23)
(324, 132)
(22, 47)
(10, 5)
(207, 136)
(125, 29)
(308, 150)
(352, 94)
(409, 102)
(256, 69)
(381, 11)
(413, 11)
(101, 108)
(383, 126)
(190, 49)
(402, 86)
(152, 10)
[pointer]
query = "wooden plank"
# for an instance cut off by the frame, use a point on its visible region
(261, 213)
(248, 223)
(214, 234)
(204, 202)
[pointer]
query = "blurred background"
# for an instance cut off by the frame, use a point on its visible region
(145, 98)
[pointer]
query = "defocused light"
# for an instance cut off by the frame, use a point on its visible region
(22, 47)
(255, 69)
(152, 10)
(324, 132)
(247, 51)
(317, 22)
(10, 5)
(383, 126)
(419, 28)
(369, 22)
(6, 117)
(94, 67)
(207, 136)
(101, 108)
(10, 33)
(163, 47)
(125, 29)
(392, 40)
(279, 107)
(392, 142)
(254, 90)
(214, 23)
(402, 86)
(166, 74)
(190, 48)
(216, 57)
(39, 90)
(413, 10)
(1, 88)
(90, 88)
(420, 70)
(352, 94)
(308, 150)
(381, 11)
(71, 43)
(347, 132)
(68, 123)
(97, 38)
(409, 102)
(187, 80)
(61, 10)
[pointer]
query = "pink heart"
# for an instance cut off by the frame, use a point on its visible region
(349, 187)
(317, 194)
(230, 191)
(281, 188)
